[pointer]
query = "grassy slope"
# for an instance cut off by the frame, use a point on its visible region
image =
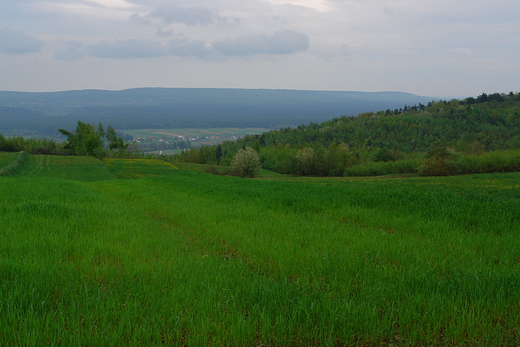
(196, 259)
(85, 168)
(71, 167)
(6, 158)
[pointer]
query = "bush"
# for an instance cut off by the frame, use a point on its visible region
(439, 161)
(436, 167)
(281, 159)
(246, 163)
(306, 161)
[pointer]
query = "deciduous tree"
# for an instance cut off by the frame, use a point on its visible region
(246, 162)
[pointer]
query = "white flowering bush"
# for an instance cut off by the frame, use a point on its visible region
(306, 161)
(246, 163)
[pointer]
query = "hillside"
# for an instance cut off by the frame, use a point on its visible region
(145, 108)
(494, 124)
(469, 126)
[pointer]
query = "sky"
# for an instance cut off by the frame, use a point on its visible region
(440, 48)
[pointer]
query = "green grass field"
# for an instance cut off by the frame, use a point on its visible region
(185, 258)
(138, 168)
(69, 167)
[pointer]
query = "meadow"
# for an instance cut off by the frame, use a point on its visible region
(185, 258)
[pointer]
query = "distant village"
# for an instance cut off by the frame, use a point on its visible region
(172, 139)
(166, 142)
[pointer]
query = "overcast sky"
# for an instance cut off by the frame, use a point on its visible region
(449, 48)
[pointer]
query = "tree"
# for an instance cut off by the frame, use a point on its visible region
(383, 154)
(305, 159)
(86, 140)
(114, 142)
(246, 163)
(3, 143)
(218, 154)
(89, 140)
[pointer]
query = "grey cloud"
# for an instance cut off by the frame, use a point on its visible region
(126, 49)
(281, 42)
(16, 42)
(185, 47)
(228, 21)
(189, 16)
(136, 18)
(73, 51)
(164, 33)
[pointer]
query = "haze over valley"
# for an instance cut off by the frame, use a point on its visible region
(30, 114)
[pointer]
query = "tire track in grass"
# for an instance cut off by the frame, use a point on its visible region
(38, 166)
(31, 168)
(47, 163)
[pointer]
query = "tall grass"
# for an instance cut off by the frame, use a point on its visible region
(195, 259)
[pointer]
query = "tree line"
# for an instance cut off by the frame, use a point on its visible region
(86, 140)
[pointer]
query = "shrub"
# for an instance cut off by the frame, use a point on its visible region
(439, 161)
(306, 161)
(246, 163)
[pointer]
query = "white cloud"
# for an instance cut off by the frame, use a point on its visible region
(462, 52)
(124, 49)
(73, 51)
(281, 42)
(190, 16)
(186, 48)
(164, 33)
(316, 5)
(113, 3)
(137, 18)
(16, 42)
(104, 9)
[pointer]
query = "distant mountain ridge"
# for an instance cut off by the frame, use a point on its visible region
(188, 107)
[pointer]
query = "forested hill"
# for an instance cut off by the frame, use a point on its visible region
(143, 108)
(490, 122)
